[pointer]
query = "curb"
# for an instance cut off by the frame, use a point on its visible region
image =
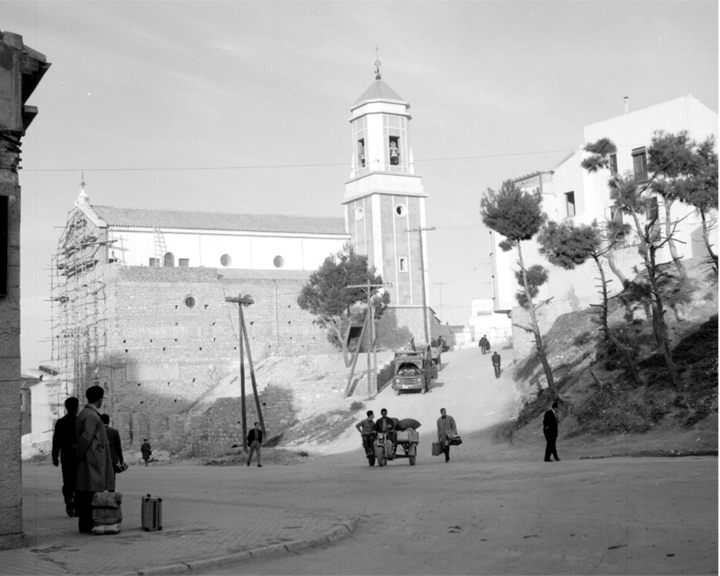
(344, 528)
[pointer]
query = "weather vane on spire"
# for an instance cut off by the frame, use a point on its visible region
(377, 64)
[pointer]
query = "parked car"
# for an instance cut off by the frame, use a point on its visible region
(414, 370)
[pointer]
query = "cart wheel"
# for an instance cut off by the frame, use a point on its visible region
(397, 392)
(380, 457)
(412, 460)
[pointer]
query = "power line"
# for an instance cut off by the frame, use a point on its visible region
(276, 166)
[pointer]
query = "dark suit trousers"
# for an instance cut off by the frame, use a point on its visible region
(69, 474)
(550, 448)
(83, 510)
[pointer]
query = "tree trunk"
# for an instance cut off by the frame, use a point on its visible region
(708, 245)
(610, 255)
(536, 328)
(647, 250)
(604, 294)
(626, 355)
(671, 243)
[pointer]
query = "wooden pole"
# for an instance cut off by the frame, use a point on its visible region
(252, 379)
(242, 379)
(354, 360)
(368, 347)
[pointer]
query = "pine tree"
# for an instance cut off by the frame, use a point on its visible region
(517, 216)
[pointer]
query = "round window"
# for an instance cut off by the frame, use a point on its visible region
(279, 261)
(225, 260)
(190, 301)
(401, 210)
(359, 214)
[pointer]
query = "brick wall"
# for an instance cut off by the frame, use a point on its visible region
(163, 355)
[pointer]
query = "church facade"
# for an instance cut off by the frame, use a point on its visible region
(141, 297)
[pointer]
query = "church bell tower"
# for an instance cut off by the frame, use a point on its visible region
(384, 205)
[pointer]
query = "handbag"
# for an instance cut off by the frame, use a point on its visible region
(120, 467)
(455, 441)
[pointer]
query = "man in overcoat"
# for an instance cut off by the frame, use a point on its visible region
(62, 451)
(550, 430)
(446, 430)
(95, 471)
(113, 436)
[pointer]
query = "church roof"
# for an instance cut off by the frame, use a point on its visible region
(378, 90)
(269, 223)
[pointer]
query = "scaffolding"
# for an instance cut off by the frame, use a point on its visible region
(79, 324)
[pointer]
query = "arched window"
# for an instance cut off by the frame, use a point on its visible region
(169, 260)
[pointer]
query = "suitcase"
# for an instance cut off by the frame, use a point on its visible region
(436, 449)
(151, 513)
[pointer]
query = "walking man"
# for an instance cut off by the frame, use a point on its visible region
(62, 447)
(484, 344)
(365, 427)
(255, 438)
(146, 451)
(550, 429)
(94, 470)
(446, 431)
(113, 436)
(496, 364)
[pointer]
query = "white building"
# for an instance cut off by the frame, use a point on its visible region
(570, 193)
(484, 321)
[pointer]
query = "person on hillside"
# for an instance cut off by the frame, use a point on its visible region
(146, 451)
(496, 360)
(484, 344)
(94, 470)
(550, 430)
(62, 451)
(446, 431)
(255, 438)
(113, 436)
(366, 428)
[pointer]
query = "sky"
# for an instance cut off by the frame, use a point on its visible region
(242, 106)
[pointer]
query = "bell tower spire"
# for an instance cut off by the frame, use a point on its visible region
(385, 201)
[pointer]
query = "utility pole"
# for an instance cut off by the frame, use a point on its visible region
(241, 301)
(441, 284)
(371, 364)
(422, 272)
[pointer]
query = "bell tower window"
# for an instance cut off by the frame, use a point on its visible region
(394, 143)
(361, 152)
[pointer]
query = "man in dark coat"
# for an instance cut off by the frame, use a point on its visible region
(496, 360)
(446, 431)
(146, 451)
(94, 471)
(484, 344)
(255, 438)
(550, 429)
(62, 451)
(113, 436)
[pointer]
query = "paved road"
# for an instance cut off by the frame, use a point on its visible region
(608, 516)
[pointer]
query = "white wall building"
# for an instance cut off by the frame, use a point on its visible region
(570, 193)
(484, 321)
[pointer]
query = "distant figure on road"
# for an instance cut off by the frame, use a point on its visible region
(146, 451)
(94, 470)
(550, 429)
(484, 344)
(496, 364)
(446, 431)
(366, 429)
(113, 436)
(62, 446)
(255, 442)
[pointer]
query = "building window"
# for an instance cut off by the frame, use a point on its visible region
(403, 264)
(225, 260)
(394, 143)
(184, 262)
(401, 210)
(570, 203)
(639, 156)
(279, 261)
(652, 212)
(190, 301)
(169, 260)
(361, 152)
(154, 262)
(613, 164)
(359, 214)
